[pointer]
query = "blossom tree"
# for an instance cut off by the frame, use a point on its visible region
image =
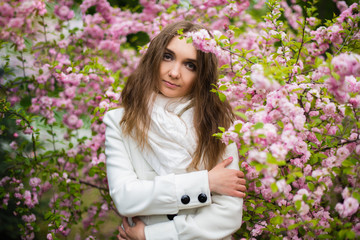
(292, 78)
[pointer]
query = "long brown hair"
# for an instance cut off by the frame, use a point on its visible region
(209, 111)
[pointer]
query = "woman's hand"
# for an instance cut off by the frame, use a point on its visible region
(226, 181)
(136, 232)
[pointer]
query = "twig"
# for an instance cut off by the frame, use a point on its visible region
(23, 65)
(89, 184)
(341, 144)
(238, 55)
(28, 125)
(43, 22)
(301, 46)
(342, 45)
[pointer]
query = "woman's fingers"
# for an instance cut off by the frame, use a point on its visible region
(238, 194)
(227, 181)
(242, 181)
(241, 188)
(118, 236)
(125, 223)
(242, 195)
(225, 162)
(122, 234)
(240, 174)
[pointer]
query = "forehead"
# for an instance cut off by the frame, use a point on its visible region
(181, 48)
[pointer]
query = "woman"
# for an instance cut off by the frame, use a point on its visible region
(162, 159)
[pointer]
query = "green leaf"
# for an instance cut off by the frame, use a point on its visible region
(313, 159)
(311, 186)
(19, 58)
(100, 165)
(324, 236)
(223, 37)
(356, 195)
(274, 187)
(293, 226)
(287, 209)
(223, 88)
(298, 205)
(271, 159)
(263, 136)
(238, 127)
(258, 166)
(258, 125)
(329, 56)
(277, 220)
(347, 163)
(28, 42)
(48, 215)
(221, 96)
(318, 136)
(290, 179)
(348, 111)
(350, 234)
(348, 171)
(336, 170)
(180, 31)
(243, 150)
(260, 210)
(241, 115)
(217, 135)
(310, 178)
(347, 225)
(321, 155)
(92, 172)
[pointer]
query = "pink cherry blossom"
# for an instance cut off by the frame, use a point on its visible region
(351, 206)
(342, 153)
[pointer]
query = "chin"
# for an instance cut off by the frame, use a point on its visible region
(168, 94)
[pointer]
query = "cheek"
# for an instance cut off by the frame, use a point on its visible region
(164, 67)
(161, 69)
(192, 79)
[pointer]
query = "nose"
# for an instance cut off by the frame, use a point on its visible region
(174, 71)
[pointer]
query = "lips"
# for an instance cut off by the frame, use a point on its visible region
(170, 85)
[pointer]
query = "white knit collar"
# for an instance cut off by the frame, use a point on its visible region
(171, 135)
(173, 105)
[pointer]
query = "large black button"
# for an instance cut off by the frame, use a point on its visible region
(171, 216)
(202, 197)
(185, 199)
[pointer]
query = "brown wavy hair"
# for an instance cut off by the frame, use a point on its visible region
(209, 111)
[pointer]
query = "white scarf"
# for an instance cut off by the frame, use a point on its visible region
(171, 135)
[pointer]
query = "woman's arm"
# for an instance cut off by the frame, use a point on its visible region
(134, 197)
(164, 194)
(215, 221)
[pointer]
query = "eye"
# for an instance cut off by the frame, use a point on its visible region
(191, 66)
(167, 57)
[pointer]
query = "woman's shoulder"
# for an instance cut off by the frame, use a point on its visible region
(113, 116)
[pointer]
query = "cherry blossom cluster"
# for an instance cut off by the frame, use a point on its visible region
(26, 198)
(347, 68)
(17, 19)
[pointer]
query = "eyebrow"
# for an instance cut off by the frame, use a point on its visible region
(188, 59)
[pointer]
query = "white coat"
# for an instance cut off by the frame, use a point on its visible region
(137, 190)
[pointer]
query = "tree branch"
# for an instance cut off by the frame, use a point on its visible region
(89, 184)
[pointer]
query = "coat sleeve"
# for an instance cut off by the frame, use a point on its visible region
(218, 220)
(135, 197)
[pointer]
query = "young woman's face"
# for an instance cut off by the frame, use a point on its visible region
(178, 68)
